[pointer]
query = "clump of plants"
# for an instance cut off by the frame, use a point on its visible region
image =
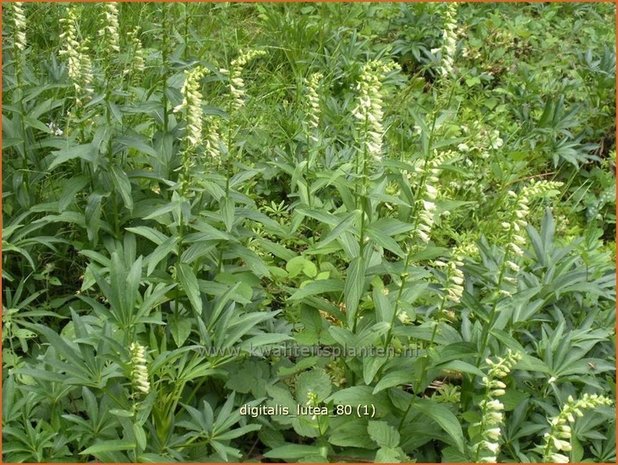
(308, 232)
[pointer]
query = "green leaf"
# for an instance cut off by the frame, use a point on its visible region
(443, 417)
(323, 217)
(301, 264)
(394, 378)
(227, 213)
(188, 282)
(149, 233)
(86, 152)
(137, 142)
(362, 395)
(371, 365)
(180, 329)
(316, 381)
(350, 434)
(383, 240)
(389, 455)
(162, 251)
(318, 287)
(459, 365)
(70, 190)
(123, 185)
(383, 434)
(163, 210)
(92, 215)
(140, 435)
(294, 452)
(338, 230)
(109, 446)
(354, 284)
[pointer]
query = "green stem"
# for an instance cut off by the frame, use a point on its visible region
(364, 212)
(493, 314)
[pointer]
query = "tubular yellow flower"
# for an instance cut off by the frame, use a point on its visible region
(138, 51)
(430, 171)
(192, 104)
(449, 38)
(212, 141)
(454, 276)
(79, 65)
(521, 211)
(139, 369)
(111, 28)
(237, 83)
(488, 446)
(313, 103)
(558, 438)
(368, 111)
(19, 22)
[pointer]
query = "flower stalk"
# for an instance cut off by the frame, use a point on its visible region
(139, 369)
(487, 448)
(557, 441)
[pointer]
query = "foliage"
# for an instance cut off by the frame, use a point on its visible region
(398, 218)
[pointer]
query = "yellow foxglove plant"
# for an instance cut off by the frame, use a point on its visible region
(313, 105)
(192, 106)
(111, 29)
(449, 38)
(454, 275)
(515, 228)
(139, 369)
(78, 62)
(428, 173)
(312, 122)
(237, 84)
(487, 448)
(138, 62)
(557, 441)
(19, 42)
(368, 111)
(19, 23)
(212, 141)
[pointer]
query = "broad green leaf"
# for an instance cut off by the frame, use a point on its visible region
(385, 241)
(394, 378)
(443, 417)
(371, 365)
(149, 233)
(294, 452)
(389, 455)
(345, 224)
(300, 264)
(109, 446)
(227, 212)
(188, 282)
(383, 434)
(350, 434)
(140, 435)
(362, 395)
(163, 250)
(86, 152)
(316, 381)
(461, 366)
(70, 190)
(180, 329)
(318, 287)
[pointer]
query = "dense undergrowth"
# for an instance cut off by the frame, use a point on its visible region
(193, 193)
